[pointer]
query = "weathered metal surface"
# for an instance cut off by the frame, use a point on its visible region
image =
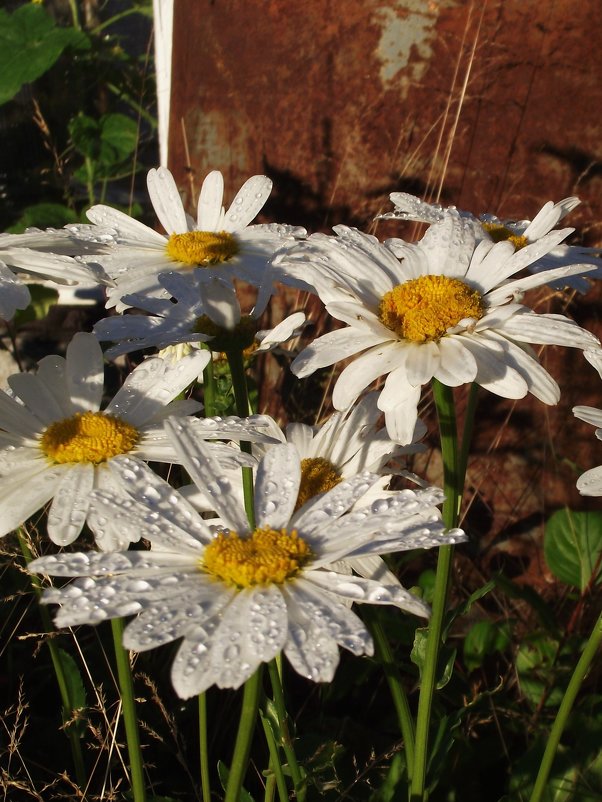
(491, 106)
(342, 101)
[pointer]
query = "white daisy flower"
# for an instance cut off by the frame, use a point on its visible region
(346, 444)
(239, 598)
(222, 243)
(40, 255)
(519, 233)
(200, 311)
(56, 443)
(590, 482)
(446, 310)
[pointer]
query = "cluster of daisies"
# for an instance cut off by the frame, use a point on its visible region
(239, 583)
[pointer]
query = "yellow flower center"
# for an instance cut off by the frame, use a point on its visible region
(202, 247)
(267, 556)
(318, 475)
(424, 308)
(501, 233)
(239, 338)
(88, 437)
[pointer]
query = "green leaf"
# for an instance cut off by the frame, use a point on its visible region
(106, 142)
(573, 547)
(466, 605)
(224, 772)
(30, 43)
(390, 789)
(44, 215)
(77, 694)
(484, 638)
(535, 663)
(445, 662)
(42, 298)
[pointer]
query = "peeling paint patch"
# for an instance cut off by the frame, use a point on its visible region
(406, 26)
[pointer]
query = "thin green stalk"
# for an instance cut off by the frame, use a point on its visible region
(209, 389)
(581, 669)
(126, 688)
(61, 675)
(398, 694)
(453, 486)
(74, 14)
(287, 741)
(469, 416)
(241, 398)
(246, 726)
(204, 748)
(276, 778)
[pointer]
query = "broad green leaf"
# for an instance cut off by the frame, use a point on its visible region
(106, 142)
(44, 215)
(535, 662)
(573, 547)
(30, 43)
(484, 638)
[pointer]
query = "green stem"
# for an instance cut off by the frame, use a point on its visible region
(287, 741)
(466, 437)
(61, 676)
(453, 487)
(277, 776)
(581, 669)
(126, 688)
(74, 14)
(209, 389)
(204, 748)
(400, 700)
(241, 398)
(242, 747)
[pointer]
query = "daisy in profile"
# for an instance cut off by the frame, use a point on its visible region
(241, 596)
(41, 255)
(199, 312)
(56, 443)
(222, 243)
(519, 233)
(444, 309)
(590, 482)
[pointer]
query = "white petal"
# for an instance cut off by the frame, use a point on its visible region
(13, 293)
(547, 330)
(401, 419)
(309, 648)
(210, 209)
(36, 396)
(494, 372)
(277, 486)
(15, 418)
(332, 347)
(457, 365)
(376, 362)
(166, 200)
(186, 605)
(69, 507)
(22, 494)
(52, 370)
(590, 482)
(539, 381)
(313, 517)
(130, 229)
(168, 520)
(422, 360)
(206, 472)
(248, 202)
(153, 384)
(589, 415)
(85, 372)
